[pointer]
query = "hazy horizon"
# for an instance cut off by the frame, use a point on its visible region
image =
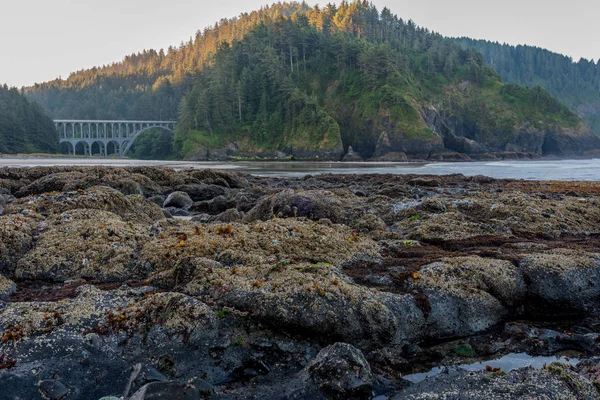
(64, 37)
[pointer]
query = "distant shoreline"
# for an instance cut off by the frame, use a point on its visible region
(487, 157)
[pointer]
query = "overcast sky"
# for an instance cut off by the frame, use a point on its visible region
(43, 39)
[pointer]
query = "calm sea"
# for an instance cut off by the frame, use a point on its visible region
(575, 170)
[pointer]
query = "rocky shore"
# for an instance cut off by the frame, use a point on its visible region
(150, 283)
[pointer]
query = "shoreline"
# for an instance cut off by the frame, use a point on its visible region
(485, 157)
(539, 169)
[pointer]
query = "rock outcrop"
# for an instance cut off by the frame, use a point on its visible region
(311, 288)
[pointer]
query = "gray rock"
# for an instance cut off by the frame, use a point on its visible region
(231, 215)
(213, 176)
(564, 279)
(178, 212)
(342, 372)
(314, 204)
(178, 200)
(465, 295)
(142, 375)
(556, 382)
(201, 192)
(52, 389)
(352, 156)
(453, 315)
(7, 287)
(213, 207)
(368, 223)
(158, 199)
(393, 156)
(381, 280)
(57, 182)
(167, 391)
(202, 218)
(424, 182)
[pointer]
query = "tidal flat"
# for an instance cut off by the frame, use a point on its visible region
(141, 282)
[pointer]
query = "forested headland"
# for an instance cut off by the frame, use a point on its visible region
(575, 84)
(24, 125)
(290, 81)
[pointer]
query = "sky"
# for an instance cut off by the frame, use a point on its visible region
(41, 40)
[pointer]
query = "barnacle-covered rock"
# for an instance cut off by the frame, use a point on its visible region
(131, 208)
(563, 278)
(16, 238)
(466, 295)
(313, 204)
(7, 287)
(85, 243)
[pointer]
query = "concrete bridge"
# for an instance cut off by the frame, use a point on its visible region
(103, 137)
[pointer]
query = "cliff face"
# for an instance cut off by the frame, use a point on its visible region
(468, 120)
(329, 148)
(466, 137)
(436, 134)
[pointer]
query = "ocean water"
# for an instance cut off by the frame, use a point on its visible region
(506, 363)
(568, 170)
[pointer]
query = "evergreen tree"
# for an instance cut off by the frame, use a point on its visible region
(24, 126)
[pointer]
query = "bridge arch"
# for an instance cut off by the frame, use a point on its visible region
(97, 147)
(113, 147)
(67, 147)
(140, 132)
(80, 147)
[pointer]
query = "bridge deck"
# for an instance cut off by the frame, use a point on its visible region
(116, 121)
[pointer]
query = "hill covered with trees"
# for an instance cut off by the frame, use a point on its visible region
(575, 84)
(289, 81)
(145, 83)
(24, 125)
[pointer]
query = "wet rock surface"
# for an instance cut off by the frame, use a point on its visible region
(322, 287)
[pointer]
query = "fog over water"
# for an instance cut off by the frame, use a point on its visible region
(569, 170)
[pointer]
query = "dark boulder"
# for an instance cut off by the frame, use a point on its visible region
(142, 375)
(563, 279)
(167, 391)
(177, 212)
(52, 389)
(178, 200)
(201, 192)
(342, 372)
(231, 215)
(213, 207)
(212, 176)
(315, 205)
